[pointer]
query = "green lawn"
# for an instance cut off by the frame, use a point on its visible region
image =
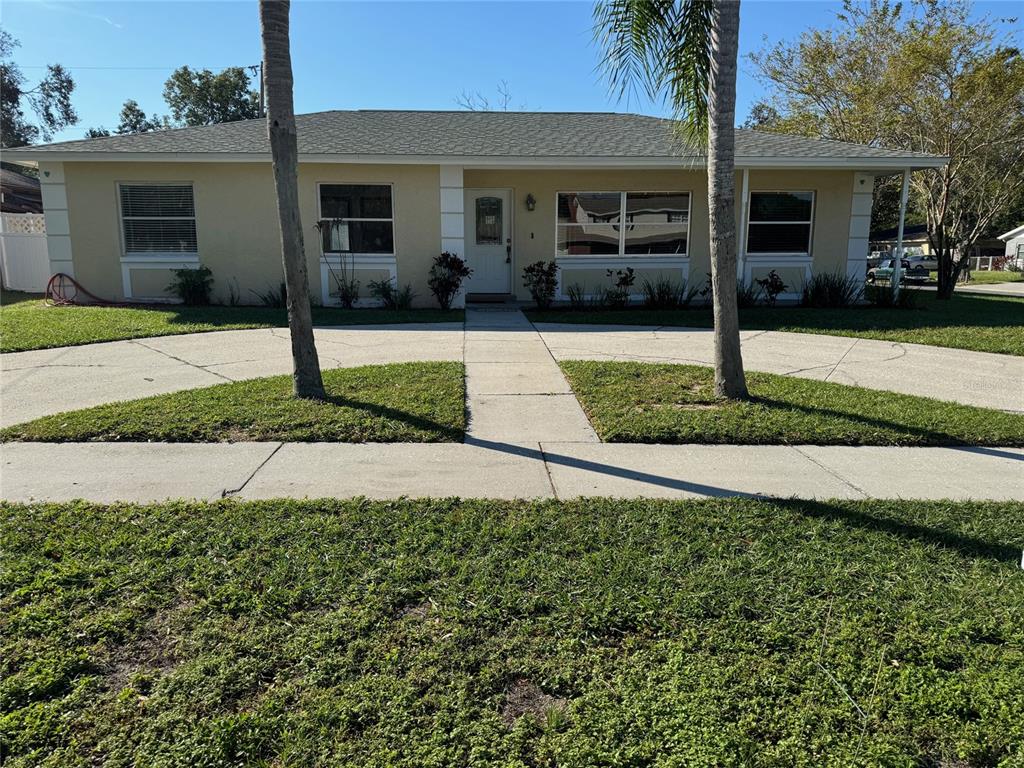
(447, 633)
(27, 323)
(981, 323)
(404, 402)
(652, 403)
(988, 278)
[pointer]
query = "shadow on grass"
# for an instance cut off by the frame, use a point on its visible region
(926, 436)
(422, 423)
(968, 546)
(967, 311)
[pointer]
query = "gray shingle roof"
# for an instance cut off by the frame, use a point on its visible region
(469, 134)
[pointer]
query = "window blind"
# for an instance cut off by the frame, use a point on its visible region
(158, 218)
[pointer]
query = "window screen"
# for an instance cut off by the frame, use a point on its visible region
(158, 218)
(780, 222)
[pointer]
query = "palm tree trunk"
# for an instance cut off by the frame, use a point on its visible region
(284, 149)
(729, 379)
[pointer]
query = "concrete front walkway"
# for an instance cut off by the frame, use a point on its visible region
(146, 472)
(515, 391)
(510, 363)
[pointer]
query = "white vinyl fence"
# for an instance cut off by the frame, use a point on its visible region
(24, 261)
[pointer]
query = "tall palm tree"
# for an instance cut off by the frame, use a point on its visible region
(284, 149)
(686, 50)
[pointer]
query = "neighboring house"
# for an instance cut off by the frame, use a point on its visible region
(1014, 240)
(915, 240)
(593, 191)
(19, 193)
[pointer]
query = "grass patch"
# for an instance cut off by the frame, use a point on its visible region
(979, 277)
(980, 323)
(448, 633)
(657, 403)
(27, 323)
(403, 402)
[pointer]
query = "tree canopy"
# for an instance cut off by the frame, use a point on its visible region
(49, 100)
(202, 97)
(925, 77)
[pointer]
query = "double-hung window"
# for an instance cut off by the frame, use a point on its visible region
(622, 223)
(357, 218)
(780, 223)
(158, 218)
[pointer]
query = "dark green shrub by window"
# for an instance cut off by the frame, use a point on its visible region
(192, 286)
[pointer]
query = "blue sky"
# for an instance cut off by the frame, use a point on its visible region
(351, 55)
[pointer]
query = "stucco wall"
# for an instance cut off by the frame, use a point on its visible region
(236, 221)
(238, 238)
(534, 231)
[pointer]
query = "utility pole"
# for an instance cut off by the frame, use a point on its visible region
(257, 71)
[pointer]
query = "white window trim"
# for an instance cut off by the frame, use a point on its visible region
(159, 256)
(622, 224)
(334, 256)
(810, 228)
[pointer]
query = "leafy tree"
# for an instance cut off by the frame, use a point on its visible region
(134, 120)
(200, 97)
(49, 100)
(687, 49)
(284, 150)
(928, 79)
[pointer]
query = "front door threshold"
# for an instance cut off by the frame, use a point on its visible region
(490, 298)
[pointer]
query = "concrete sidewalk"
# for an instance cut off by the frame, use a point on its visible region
(145, 472)
(507, 357)
(515, 391)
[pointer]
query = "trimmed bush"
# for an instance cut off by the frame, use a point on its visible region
(831, 290)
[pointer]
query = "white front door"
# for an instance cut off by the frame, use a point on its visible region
(489, 240)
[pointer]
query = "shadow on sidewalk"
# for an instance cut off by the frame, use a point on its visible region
(609, 469)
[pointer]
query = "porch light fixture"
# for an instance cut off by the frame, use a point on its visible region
(531, 202)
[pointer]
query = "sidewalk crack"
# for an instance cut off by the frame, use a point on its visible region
(547, 470)
(180, 360)
(232, 491)
(832, 472)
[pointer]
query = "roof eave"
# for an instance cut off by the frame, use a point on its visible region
(879, 164)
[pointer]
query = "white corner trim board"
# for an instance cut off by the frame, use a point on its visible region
(58, 224)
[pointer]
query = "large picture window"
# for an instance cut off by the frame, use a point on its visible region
(158, 218)
(622, 223)
(780, 223)
(357, 218)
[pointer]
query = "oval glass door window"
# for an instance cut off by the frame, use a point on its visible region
(488, 221)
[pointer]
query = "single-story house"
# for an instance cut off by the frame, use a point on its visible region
(592, 191)
(1014, 240)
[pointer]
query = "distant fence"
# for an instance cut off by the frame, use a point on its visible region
(24, 261)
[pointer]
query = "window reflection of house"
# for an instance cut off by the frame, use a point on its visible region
(622, 223)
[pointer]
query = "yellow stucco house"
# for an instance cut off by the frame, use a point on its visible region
(593, 191)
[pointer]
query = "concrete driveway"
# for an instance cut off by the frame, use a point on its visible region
(38, 383)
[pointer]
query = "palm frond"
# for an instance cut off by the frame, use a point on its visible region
(662, 47)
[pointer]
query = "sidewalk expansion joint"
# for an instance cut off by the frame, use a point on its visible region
(232, 491)
(547, 470)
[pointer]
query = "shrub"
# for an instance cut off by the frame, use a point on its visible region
(192, 286)
(771, 286)
(273, 297)
(831, 290)
(391, 295)
(664, 293)
(881, 296)
(577, 295)
(541, 278)
(618, 294)
(446, 276)
(747, 296)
